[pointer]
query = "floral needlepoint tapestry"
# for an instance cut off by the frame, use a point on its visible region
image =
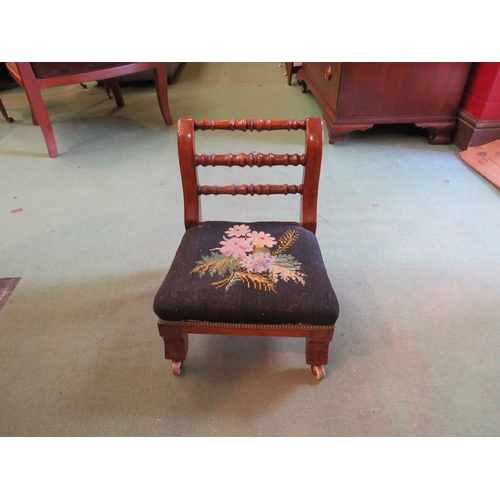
(269, 272)
(253, 258)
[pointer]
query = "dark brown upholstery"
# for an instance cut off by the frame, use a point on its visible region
(54, 69)
(275, 285)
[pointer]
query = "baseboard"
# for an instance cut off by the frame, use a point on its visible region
(471, 132)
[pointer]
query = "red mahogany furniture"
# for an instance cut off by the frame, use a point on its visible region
(248, 278)
(34, 77)
(357, 95)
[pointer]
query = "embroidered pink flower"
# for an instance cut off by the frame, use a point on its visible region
(244, 258)
(238, 230)
(258, 262)
(262, 239)
(235, 247)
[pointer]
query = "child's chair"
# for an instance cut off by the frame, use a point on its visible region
(248, 278)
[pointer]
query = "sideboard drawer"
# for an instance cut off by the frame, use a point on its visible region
(327, 78)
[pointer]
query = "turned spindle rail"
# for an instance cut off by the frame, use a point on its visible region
(310, 160)
(252, 189)
(251, 159)
(258, 124)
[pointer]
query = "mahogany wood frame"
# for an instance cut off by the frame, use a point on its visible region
(175, 333)
(189, 160)
(23, 74)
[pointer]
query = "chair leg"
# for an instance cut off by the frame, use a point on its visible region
(289, 72)
(40, 116)
(113, 84)
(107, 88)
(4, 112)
(161, 83)
(38, 109)
(317, 350)
(176, 345)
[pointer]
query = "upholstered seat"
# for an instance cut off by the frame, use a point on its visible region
(285, 282)
(256, 278)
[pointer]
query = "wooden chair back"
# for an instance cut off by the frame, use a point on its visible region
(189, 160)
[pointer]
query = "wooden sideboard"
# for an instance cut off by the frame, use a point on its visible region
(356, 96)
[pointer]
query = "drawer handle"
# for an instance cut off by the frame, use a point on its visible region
(328, 73)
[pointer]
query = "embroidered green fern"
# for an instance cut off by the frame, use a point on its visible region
(216, 263)
(258, 281)
(287, 267)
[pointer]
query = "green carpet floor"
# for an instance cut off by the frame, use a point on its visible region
(409, 233)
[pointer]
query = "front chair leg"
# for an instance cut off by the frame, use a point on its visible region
(176, 345)
(317, 345)
(37, 106)
(161, 84)
(41, 117)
